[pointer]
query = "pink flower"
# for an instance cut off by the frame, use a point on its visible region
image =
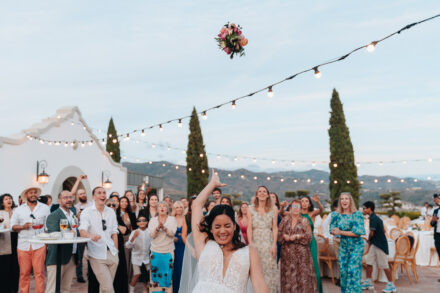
(244, 42)
(237, 47)
(223, 30)
(223, 35)
(232, 25)
(239, 32)
(227, 50)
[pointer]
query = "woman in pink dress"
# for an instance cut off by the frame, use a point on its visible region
(243, 220)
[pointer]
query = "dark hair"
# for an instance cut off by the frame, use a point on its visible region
(335, 204)
(227, 198)
(43, 199)
(189, 212)
(94, 189)
(310, 202)
(217, 189)
(431, 205)
(49, 196)
(205, 225)
(208, 203)
(127, 209)
(277, 200)
(113, 195)
(2, 197)
(240, 213)
(137, 196)
(369, 205)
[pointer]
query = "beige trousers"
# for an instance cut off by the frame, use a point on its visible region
(105, 271)
(67, 273)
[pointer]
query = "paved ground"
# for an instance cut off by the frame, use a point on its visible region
(428, 277)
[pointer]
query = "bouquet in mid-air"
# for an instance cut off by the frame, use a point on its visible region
(231, 40)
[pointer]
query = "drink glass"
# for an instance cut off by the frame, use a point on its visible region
(74, 225)
(63, 226)
(35, 226)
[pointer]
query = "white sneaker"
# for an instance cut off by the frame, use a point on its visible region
(131, 289)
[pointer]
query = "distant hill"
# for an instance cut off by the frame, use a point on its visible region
(242, 181)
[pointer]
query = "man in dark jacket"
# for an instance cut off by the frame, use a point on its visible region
(68, 251)
(436, 224)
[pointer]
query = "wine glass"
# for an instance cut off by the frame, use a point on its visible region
(35, 226)
(63, 226)
(74, 224)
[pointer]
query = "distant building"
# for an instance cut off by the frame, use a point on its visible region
(64, 163)
(135, 180)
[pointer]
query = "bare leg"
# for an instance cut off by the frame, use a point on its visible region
(370, 271)
(388, 273)
(134, 280)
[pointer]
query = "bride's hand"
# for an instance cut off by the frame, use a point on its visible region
(215, 180)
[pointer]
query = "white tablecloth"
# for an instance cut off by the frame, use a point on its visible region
(426, 242)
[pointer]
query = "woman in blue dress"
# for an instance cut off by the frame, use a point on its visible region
(179, 245)
(348, 224)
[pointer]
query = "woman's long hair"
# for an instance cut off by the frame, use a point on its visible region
(148, 205)
(206, 224)
(352, 204)
(2, 207)
(127, 209)
(277, 200)
(269, 203)
(240, 213)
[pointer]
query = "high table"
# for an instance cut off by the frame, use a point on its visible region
(59, 241)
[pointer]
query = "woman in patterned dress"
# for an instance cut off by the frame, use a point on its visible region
(348, 225)
(297, 271)
(262, 234)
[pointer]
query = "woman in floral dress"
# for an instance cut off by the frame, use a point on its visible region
(348, 225)
(297, 271)
(262, 234)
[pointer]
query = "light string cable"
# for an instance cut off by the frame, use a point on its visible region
(370, 47)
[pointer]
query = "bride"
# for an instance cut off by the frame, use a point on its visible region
(224, 262)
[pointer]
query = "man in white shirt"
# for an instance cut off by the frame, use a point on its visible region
(30, 255)
(98, 222)
(68, 251)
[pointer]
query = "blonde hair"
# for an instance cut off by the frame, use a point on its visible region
(178, 203)
(352, 206)
(269, 203)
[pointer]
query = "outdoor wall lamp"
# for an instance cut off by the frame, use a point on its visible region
(43, 177)
(107, 184)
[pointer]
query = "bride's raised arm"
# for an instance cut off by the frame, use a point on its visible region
(197, 211)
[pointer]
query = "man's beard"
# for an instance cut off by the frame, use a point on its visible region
(83, 200)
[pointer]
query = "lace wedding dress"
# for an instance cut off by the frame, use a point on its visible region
(210, 269)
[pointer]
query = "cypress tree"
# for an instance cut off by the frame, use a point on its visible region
(112, 145)
(197, 172)
(343, 171)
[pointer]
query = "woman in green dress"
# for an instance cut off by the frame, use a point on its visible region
(308, 212)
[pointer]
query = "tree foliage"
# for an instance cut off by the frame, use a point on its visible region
(197, 172)
(112, 145)
(390, 201)
(343, 171)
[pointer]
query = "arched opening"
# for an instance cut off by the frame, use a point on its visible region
(66, 179)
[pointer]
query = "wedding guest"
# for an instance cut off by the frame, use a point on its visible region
(139, 243)
(378, 252)
(30, 256)
(9, 272)
(436, 225)
(162, 229)
(68, 251)
(424, 209)
(130, 195)
(82, 204)
(114, 199)
(276, 201)
(326, 223)
(49, 200)
(98, 223)
(243, 220)
(297, 271)
(20, 200)
(141, 201)
(170, 203)
(126, 224)
(217, 194)
(226, 200)
(308, 212)
(348, 224)
(179, 245)
(120, 281)
(430, 210)
(185, 203)
(151, 210)
(210, 205)
(262, 234)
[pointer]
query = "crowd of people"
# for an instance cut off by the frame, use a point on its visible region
(138, 238)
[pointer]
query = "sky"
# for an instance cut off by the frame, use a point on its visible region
(146, 62)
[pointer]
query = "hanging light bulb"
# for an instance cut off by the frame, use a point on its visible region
(402, 180)
(321, 181)
(313, 163)
(362, 182)
(268, 178)
(143, 132)
(83, 144)
(317, 72)
(229, 174)
(57, 143)
(335, 182)
(242, 176)
(114, 140)
(71, 123)
(190, 169)
(389, 180)
(295, 180)
(335, 165)
(218, 157)
(110, 135)
(150, 162)
(204, 116)
(179, 124)
(282, 179)
(201, 155)
(127, 137)
(292, 163)
(375, 180)
(308, 180)
(164, 165)
(348, 181)
(153, 146)
(49, 143)
(41, 141)
(254, 159)
(90, 142)
(236, 159)
(274, 162)
(372, 46)
(270, 93)
(255, 177)
(233, 105)
(160, 127)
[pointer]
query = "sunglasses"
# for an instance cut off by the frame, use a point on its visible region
(297, 206)
(104, 227)
(111, 205)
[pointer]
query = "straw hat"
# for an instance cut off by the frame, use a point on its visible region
(23, 194)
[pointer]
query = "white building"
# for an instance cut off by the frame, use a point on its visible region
(64, 163)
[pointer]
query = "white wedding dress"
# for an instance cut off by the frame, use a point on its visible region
(210, 267)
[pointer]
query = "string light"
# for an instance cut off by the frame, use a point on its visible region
(282, 179)
(233, 105)
(160, 127)
(270, 93)
(308, 180)
(335, 182)
(204, 115)
(143, 132)
(268, 178)
(179, 124)
(335, 165)
(114, 140)
(371, 47)
(317, 72)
